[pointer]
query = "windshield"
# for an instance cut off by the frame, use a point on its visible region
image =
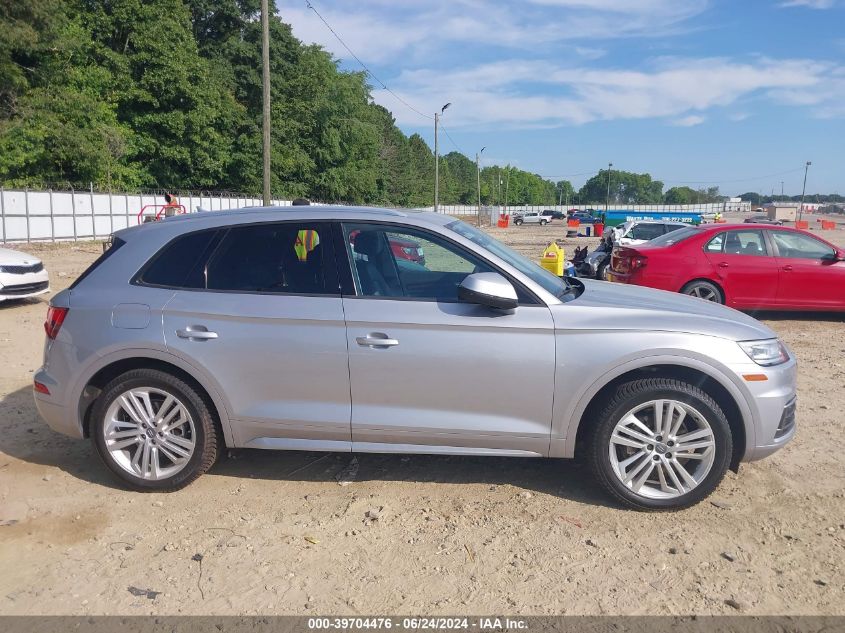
(674, 237)
(557, 286)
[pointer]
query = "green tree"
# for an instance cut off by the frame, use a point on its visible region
(625, 188)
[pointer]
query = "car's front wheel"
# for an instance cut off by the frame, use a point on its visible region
(543, 222)
(660, 444)
(517, 222)
(154, 431)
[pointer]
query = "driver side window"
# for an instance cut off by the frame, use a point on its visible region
(391, 262)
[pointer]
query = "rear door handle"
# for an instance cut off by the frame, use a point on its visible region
(723, 264)
(376, 339)
(196, 333)
(787, 269)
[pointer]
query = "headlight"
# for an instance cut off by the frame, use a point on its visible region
(767, 352)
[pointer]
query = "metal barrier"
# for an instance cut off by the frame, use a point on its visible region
(162, 208)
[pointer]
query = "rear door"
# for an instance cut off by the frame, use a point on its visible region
(744, 267)
(263, 317)
(809, 275)
(432, 374)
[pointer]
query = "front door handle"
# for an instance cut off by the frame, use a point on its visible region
(787, 268)
(723, 264)
(196, 333)
(376, 339)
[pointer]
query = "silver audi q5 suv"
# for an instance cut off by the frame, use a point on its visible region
(313, 328)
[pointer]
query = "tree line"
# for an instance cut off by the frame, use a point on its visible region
(166, 95)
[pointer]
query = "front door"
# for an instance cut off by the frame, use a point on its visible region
(431, 374)
(264, 318)
(810, 276)
(745, 267)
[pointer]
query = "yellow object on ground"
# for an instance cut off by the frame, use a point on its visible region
(553, 259)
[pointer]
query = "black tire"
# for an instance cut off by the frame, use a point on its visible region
(628, 396)
(704, 290)
(208, 437)
(601, 271)
(517, 222)
(543, 222)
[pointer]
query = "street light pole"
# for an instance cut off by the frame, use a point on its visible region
(607, 200)
(803, 191)
(265, 80)
(478, 181)
(437, 159)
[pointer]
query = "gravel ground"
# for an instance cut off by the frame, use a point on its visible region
(277, 534)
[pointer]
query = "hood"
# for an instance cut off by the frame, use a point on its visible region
(16, 258)
(611, 306)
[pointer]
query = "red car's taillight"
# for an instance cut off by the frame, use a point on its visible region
(55, 318)
(638, 261)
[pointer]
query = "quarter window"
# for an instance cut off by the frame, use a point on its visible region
(285, 258)
(181, 264)
(799, 246)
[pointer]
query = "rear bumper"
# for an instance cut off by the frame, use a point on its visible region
(59, 418)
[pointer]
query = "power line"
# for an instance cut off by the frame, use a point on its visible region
(723, 181)
(453, 140)
(363, 65)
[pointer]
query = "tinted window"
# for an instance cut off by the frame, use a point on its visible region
(389, 262)
(181, 263)
(799, 246)
(646, 231)
(668, 239)
(287, 257)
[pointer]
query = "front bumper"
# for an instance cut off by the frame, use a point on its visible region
(774, 403)
(22, 286)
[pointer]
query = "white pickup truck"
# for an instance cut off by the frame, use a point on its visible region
(531, 217)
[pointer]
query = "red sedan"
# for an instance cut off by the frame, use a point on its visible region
(745, 267)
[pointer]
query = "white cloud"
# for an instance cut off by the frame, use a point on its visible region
(527, 93)
(689, 121)
(811, 4)
(379, 31)
(739, 116)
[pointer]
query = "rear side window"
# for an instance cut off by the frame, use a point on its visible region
(287, 257)
(646, 231)
(115, 245)
(181, 264)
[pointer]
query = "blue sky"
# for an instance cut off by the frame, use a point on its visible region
(734, 93)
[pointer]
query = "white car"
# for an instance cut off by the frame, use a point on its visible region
(632, 233)
(21, 275)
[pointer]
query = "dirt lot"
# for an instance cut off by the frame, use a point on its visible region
(279, 535)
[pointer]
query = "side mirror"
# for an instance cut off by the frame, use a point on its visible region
(488, 289)
(838, 256)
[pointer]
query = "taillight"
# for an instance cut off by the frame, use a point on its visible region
(55, 318)
(638, 261)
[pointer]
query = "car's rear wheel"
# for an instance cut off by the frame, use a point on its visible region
(704, 290)
(601, 271)
(660, 444)
(154, 431)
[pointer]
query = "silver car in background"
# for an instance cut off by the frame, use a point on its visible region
(300, 328)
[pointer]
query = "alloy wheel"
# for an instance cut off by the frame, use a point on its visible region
(704, 292)
(149, 433)
(662, 449)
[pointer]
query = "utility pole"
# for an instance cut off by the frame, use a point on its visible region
(607, 200)
(507, 186)
(265, 63)
(803, 191)
(478, 181)
(781, 190)
(437, 158)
